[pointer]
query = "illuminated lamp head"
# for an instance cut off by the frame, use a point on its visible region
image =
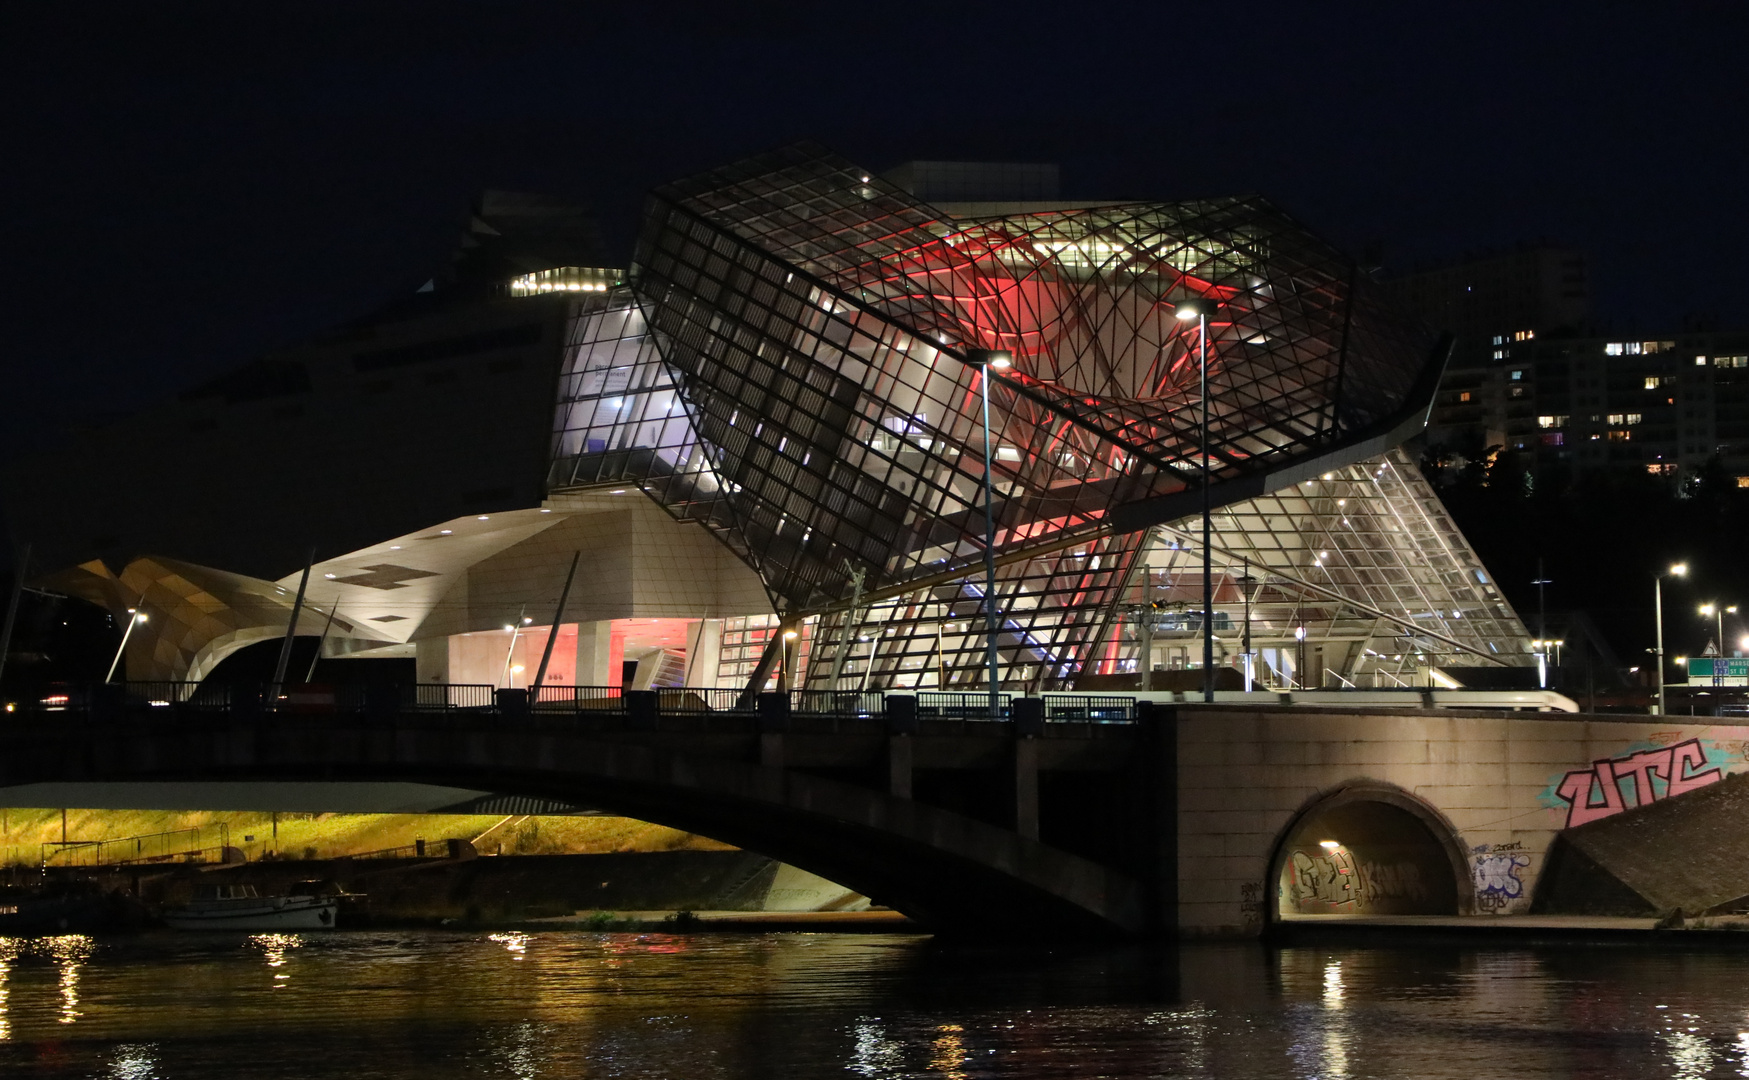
(1679, 570)
(1193, 307)
(1000, 359)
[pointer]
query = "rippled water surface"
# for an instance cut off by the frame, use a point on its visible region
(433, 1005)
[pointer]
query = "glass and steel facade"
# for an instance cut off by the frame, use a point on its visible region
(786, 366)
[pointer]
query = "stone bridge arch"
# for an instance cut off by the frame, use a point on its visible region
(1367, 847)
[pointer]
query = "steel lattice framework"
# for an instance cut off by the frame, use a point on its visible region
(786, 367)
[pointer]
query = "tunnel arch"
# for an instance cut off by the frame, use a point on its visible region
(1367, 847)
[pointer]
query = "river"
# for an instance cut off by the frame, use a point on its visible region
(442, 1004)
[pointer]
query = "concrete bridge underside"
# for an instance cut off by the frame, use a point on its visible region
(942, 826)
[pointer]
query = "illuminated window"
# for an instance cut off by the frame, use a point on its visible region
(1700, 361)
(1743, 481)
(1465, 396)
(566, 279)
(1656, 346)
(1620, 348)
(1519, 391)
(1499, 354)
(1731, 361)
(1518, 375)
(1620, 436)
(1634, 417)
(1555, 438)
(1551, 421)
(1659, 468)
(1498, 340)
(1524, 335)
(1615, 418)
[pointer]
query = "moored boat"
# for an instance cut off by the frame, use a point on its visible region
(240, 907)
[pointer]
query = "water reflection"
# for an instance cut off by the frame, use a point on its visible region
(436, 1005)
(134, 1062)
(516, 943)
(273, 949)
(8, 953)
(70, 952)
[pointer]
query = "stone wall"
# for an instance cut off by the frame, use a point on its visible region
(1501, 786)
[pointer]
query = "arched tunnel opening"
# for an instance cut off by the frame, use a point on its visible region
(1355, 855)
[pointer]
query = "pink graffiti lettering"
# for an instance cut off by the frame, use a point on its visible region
(1597, 792)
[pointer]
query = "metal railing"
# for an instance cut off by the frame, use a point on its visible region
(183, 845)
(973, 706)
(175, 698)
(1064, 708)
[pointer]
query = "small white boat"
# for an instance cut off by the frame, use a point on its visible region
(239, 907)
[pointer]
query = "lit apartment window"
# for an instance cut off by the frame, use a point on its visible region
(1620, 436)
(1616, 418)
(1517, 376)
(1743, 481)
(1659, 468)
(1656, 346)
(1700, 361)
(1464, 396)
(1651, 382)
(1731, 361)
(1619, 348)
(1551, 421)
(1519, 391)
(1498, 340)
(1499, 354)
(1524, 335)
(1635, 418)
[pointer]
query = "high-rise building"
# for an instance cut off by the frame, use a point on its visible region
(762, 446)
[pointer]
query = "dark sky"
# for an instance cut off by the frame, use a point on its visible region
(187, 185)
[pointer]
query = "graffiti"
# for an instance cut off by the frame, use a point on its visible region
(1650, 775)
(1496, 874)
(1336, 878)
(1251, 902)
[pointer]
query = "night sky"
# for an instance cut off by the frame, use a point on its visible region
(187, 185)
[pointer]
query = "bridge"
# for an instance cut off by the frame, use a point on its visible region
(1065, 814)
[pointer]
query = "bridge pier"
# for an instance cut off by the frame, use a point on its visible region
(771, 749)
(899, 758)
(1026, 786)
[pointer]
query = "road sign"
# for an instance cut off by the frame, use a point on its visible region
(1701, 667)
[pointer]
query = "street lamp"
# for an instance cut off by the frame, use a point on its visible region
(997, 360)
(135, 618)
(1198, 308)
(1678, 570)
(1718, 612)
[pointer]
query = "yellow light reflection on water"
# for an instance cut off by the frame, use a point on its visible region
(8, 953)
(516, 943)
(273, 949)
(948, 1053)
(69, 951)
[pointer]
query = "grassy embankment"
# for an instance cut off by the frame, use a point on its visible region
(323, 836)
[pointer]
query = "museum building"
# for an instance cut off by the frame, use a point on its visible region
(762, 446)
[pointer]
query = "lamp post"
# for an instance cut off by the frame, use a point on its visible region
(1718, 612)
(988, 360)
(1198, 308)
(1678, 570)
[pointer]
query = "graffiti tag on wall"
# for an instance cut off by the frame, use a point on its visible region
(1612, 785)
(1336, 878)
(1496, 874)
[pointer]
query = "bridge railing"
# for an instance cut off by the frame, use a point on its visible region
(965, 706)
(578, 703)
(1083, 708)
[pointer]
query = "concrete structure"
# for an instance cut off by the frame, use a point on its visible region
(1192, 820)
